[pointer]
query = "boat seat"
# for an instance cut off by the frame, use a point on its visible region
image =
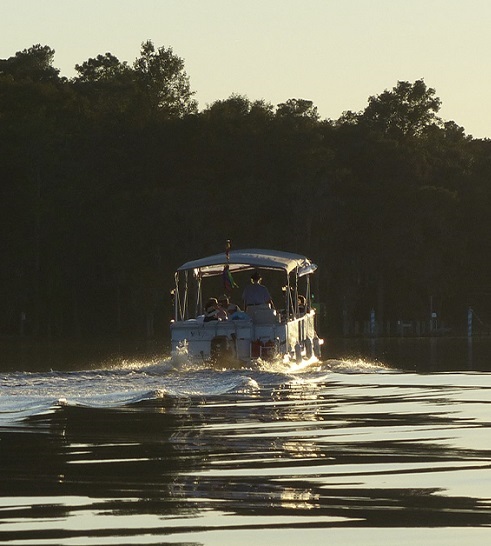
(263, 316)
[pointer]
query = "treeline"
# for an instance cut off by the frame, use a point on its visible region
(113, 178)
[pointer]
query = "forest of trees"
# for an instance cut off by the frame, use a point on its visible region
(113, 178)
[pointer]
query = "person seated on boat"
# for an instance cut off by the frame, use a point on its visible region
(225, 303)
(302, 305)
(234, 311)
(255, 294)
(213, 311)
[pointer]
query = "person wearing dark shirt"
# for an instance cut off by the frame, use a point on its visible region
(255, 294)
(213, 311)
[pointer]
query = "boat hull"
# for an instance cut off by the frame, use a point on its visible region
(261, 335)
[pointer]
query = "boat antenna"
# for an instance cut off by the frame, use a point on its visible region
(228, 280)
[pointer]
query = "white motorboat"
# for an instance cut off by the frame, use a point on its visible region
(287, 332)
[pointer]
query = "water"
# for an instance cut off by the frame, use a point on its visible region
(351, 451)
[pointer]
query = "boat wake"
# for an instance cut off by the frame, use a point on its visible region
(160, 383)
(357, 366)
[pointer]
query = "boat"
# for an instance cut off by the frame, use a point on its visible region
(286, 332)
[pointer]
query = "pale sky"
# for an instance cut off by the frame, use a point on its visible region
(335, 53)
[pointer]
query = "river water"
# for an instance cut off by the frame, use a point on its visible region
(379, 443)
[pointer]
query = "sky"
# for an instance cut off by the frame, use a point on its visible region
(336, 53)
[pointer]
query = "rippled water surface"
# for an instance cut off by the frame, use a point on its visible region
(353, 450)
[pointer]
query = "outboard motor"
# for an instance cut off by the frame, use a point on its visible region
(317, 347)
(220, 348)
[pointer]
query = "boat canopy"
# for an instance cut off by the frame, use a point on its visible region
(243, 260)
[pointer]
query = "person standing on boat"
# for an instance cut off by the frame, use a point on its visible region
(255, 294)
